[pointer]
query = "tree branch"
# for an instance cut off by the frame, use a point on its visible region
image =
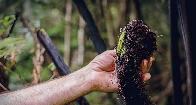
(56, 58)
(92, 28)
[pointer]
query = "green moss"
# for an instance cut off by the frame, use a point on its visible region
(120, 47)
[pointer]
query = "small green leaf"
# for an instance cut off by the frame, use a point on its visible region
(51, 66)
(8, 20)
(10, 17)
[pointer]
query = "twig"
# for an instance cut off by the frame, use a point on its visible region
(13, 23)
(3, 87)
(32, 30)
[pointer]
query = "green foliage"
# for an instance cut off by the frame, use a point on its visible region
(51, 67)
(46, 74)
(6, 22)
(8, 45)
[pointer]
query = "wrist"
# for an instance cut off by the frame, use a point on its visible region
(87, 73)
(92, 77)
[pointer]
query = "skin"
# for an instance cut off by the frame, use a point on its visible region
(98, 75)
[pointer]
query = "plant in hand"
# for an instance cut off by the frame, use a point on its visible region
(136, 43)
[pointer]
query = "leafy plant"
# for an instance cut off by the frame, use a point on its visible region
(136, 42)
(6, 22)
(8, 45)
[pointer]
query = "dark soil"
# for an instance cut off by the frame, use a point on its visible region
(138, 43)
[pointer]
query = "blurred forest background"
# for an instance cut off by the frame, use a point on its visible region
(24, 62)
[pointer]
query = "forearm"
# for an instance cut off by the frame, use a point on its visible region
(58, 91)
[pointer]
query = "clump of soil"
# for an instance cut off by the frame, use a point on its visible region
(136, 42)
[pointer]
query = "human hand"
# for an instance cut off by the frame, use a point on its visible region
(145, 67)
(104, 77)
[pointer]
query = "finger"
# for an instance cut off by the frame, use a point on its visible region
(144, 65)
(111, 68)
(151, 59)
(146, 76)
(111, 52)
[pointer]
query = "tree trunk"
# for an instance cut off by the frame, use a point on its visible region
(138, 9)
(92, 28)
(109, 25)
(80, 59)
(123, 15)
(175, 58)
(67, 31)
